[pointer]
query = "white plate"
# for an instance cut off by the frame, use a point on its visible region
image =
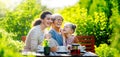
(40, 48)
(62, 49)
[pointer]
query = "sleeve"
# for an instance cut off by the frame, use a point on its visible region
(53, 43)
(32, 40)
(52, 34)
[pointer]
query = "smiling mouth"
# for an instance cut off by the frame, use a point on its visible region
(48, 23)
(58, 24)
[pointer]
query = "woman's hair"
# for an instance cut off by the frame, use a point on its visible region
(72, 26)
(42, 16)
(36, 22)
(56, 15)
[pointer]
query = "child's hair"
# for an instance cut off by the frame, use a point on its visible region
(72, 26)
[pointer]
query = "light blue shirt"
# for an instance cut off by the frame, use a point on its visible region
(58, 37)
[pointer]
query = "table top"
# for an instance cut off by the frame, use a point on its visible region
(58, 54)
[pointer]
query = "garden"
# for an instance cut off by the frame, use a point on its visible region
(100, 18)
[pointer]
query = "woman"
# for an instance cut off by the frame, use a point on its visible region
(36, 34)
(55, 31)
(68, 36)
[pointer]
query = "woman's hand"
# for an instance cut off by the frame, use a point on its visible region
(48, 36)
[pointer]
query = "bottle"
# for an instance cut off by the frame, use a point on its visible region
(46, 47)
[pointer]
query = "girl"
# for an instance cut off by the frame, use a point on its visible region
(68, 36)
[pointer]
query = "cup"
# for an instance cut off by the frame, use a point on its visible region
(62, 49)
(82, 48)
(75, 50)
(40, 48)
(46, 51)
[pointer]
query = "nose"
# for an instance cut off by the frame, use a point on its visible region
(51, 21)
(60, 21)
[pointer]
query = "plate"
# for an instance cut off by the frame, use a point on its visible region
(40, 51)
(62, 52)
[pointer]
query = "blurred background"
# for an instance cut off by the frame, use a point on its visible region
(100, 18)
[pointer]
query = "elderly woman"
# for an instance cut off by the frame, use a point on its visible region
(36, 34)
(56, 31)
(56, 28)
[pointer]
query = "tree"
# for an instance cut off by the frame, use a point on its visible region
(19, 21)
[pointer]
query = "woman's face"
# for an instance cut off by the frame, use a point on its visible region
(67, 29)
(47, 20)
(58, 22)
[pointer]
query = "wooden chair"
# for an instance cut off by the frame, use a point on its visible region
(88, 42)
(23, 38)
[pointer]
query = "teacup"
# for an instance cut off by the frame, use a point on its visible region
(82, 48)
(40, 48)
(62, 48)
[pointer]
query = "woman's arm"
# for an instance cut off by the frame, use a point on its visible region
(32, 40)
(53, 44)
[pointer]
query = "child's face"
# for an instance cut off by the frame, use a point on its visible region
(67, 29)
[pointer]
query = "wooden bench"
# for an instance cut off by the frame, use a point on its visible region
(23, 38)
(88, 42)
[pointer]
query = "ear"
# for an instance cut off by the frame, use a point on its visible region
(42, 20)
(72, 31)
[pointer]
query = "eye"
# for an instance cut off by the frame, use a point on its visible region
(48, 18)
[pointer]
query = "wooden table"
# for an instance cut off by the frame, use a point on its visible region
(56, 54)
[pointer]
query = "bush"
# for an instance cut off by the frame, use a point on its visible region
(19, 21)
(115, 25)
(95, 24)
(105, 51)
(9, 47)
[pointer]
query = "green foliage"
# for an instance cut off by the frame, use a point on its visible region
(9, 47)
(19, 21)
(115, 25)
(97, 6)
(105, 51)
(6, 51)
(4, 34)
(102, 31)
(95, 24)
(16, 45)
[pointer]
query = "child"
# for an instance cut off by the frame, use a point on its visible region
(67, 33)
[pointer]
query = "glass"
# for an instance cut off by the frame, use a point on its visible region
(59, 19)
(75, 50)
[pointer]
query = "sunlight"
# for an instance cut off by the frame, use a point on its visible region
(11, 4)
(58, 3)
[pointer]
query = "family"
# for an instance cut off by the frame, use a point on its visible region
(57, 35)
